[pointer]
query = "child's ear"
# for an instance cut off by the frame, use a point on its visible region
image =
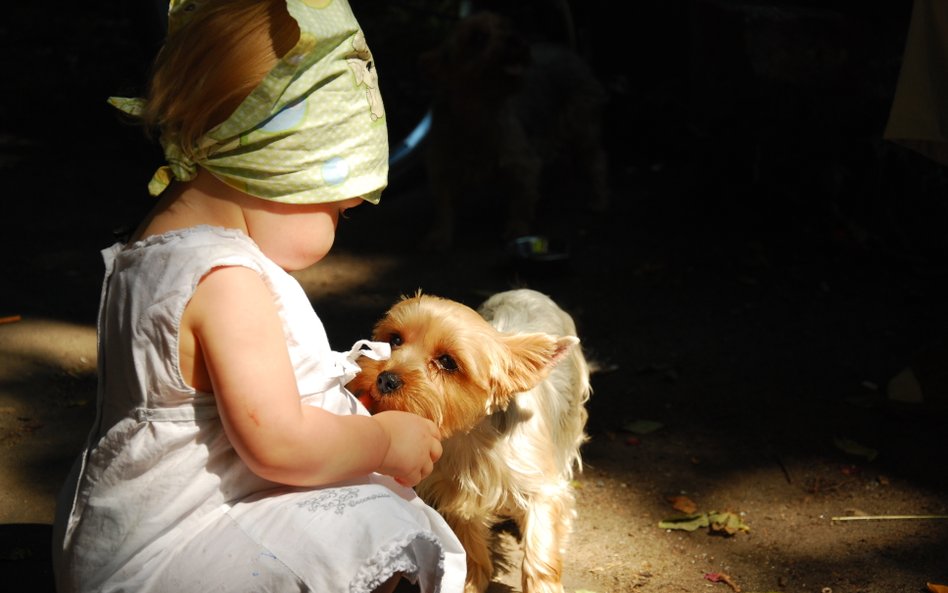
(529, 359)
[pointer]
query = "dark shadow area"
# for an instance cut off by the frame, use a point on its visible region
(767, 265)
(25, 557)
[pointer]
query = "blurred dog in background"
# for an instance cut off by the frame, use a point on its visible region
(506, 117)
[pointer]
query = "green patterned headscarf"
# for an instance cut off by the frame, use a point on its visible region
(312, 131)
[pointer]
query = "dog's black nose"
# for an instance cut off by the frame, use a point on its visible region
(387, 382)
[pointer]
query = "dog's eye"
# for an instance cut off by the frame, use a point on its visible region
(447, 363)
(395, 340)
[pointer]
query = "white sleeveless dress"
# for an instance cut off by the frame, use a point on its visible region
(159, 501)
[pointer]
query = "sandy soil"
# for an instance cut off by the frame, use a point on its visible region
(751, 315)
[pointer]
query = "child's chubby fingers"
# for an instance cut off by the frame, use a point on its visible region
(414, 446)
(413, 479)
(436, 449)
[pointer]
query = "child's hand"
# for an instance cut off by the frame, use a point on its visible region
(414, 446)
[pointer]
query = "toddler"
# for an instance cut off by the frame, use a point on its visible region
(226, 455)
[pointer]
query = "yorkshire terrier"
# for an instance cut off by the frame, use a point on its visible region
(507, 385)
(510, 120)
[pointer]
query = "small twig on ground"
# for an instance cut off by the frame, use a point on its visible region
(891, 517)
(9, 319)
(730, 583)
(784, 468)
(720, 577)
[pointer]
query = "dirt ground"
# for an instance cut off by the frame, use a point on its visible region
(757, 281)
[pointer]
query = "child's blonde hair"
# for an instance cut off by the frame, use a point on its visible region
(210, 63)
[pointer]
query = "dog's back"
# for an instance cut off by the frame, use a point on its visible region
(562, 396)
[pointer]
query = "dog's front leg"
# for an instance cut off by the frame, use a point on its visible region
(546, 526)
(475, 537)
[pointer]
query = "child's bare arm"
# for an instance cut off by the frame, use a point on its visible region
(241, 340)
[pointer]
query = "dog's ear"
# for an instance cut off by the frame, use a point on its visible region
(530, 358)
(563, 345)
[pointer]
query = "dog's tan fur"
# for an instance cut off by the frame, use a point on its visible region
(507, 385)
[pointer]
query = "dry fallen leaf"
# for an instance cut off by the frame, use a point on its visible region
(937, 588)
(683, 504)
(726, 522)
(685, 522)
